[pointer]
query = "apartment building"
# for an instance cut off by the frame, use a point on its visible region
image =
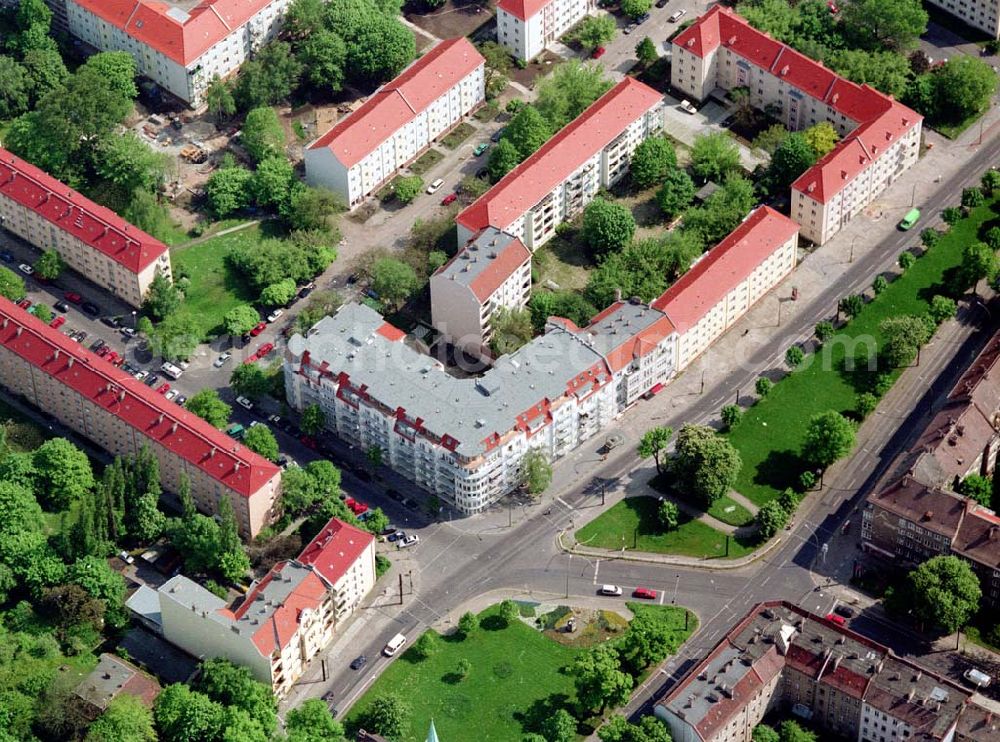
(398, 122)
(464, 439)
(527, 27)
(554, 184)
(728, 280)
(180, 44)
(121, 415)
(91, 239)
(286, 618)
(880, 138)
(980, 14)
(782, 658)
(492, 271)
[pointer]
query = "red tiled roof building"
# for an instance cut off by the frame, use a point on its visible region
(526, 27)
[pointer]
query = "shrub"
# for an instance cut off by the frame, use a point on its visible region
(794, 356)
(824, 330)
(763, 386)
(942, 308)
(668, 515)
(972, 197)
(879, 285)
(929, 237)
(807, 480)
(906, 260)
(865, 404)
(731, 415)
(951, 215)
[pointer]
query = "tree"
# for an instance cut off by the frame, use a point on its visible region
(408, 188)
(879, 285)
(309, 209)
(380, 49)
(312, 722)
(424, 646)
(794, 356)
(11, 285)
(393, 280)
(559, 726)
(731, 415)
(537, 472)
(764, 733)
(313, 419)
(437, 258)
(792, 731)
(723, 211)
(249, 380)
(771, 518)
(268, 78)
(498, 66)
(668, 514)
(46, 71)
(715, 155)
(503, 158)
(771, 138)
(568, 90)
(118, 68)
(468, 624)
(324, 56)
(887, 71)
(792, 158)
(865, 404)
(635, 8)
(977, 487)
(182, 714)
(374, 456)
(262, 135)
(569, 304)
(162, 298)
(903, 337)
(596, 30)
(280, 293)
(652, 161)
(607, 226)
(512, 329)
(906, 260)
(527, 131)
(42, 311)
(705, 464)
(49, 265)
(951, 215)
(821, 137)
(272, 182)
(509, 612)
(942, 308)
(95, 575)
(233, 685)
(972, 197)
(852, 305)
(176, 337)
(654, 443)
(991, 181)
(260, 439)
(126, 719)
(763, 386)
(824, 331)
(598, 679)
(241, 319)
(129, 163)
(645, 52)
(14, 87)
(944, 592)
(963, 86)
(830, 436)
(881, 24)
(228, 190)
(991, 238)
(978, 262)
(207, 405)
(63, 473)
(376, 522)
(387, 715)
(219, 99)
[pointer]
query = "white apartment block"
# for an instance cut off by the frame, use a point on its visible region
(121, 415)
(463, 439)
(556, 182)
(91, 239)
(981, 14)
(880, 137)
(527, 27)
(179, 45)
(728, 280)
(398, 122)
(492, 271)
(284, 621)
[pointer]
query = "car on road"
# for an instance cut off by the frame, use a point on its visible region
(263, 350)
(275, 420)
(498, 135)
(677, 15)
(407, 542)
(834, 618)
(258, 329)
(61, 306)
(598, 52)
(73, 297)
(449, 199)
(113, 322)
(163, 388)
(480, 148)
(273, 316)
(977, 677)
(433, 187)
(26, 269)
(396, 536)
(222, 360)
(911, 218)
(306, 290)
(610, 590)
(642, 19)
(90, 308)
(80, 335)
(359, 662)
(841, 609)
(245, 403)
(151, 380)
(57, 322)
(645, 593)
(97, 345)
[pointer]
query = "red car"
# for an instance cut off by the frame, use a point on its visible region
(102, 351)
(308, 442)
(833, 617)
(112, 357)
(258, 329)
(24, 303)
(73, 297)
(360, 508)
(350, 502)
(263, 350)
(598, 52)
(163, 388)
(449, 199)
(57, 322)
(645, 593)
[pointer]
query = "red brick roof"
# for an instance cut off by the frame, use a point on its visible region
(724, 267)
(182, 433)
(881, 120)
(181, 36)
(90, 223)
(523, 9)
(335, 549)
(277, 630)
(558, 158)
(400, 101)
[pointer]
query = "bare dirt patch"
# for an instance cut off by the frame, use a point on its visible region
(454, 18)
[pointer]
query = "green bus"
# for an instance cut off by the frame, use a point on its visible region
(911, 218)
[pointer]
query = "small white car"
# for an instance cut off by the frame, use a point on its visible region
(677, 15)
(26, 269)
(170, 395)
(273, 316)
(245, 403)
(432, 188)
(140, 375)
(221, 360)
(407, 542)
(977, 677)
(610, 590)
(687, 107)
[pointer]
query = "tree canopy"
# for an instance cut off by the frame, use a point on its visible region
(207, 405)
(943, 592)
(705, 463)
(714, 155)
(652, 161)
(608, 226)
(830, 436)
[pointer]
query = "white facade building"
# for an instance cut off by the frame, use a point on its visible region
(527, 27)
(492, 271)
(566, 173)
(398, 122)
(981, 14)
(880, 137)
(180, 46)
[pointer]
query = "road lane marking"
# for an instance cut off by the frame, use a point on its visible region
(597, 568)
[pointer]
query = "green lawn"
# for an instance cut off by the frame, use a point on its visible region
(952, 131)
(487, 111)
(632, 523)
(426, 161)
(729, 511)
(564, 261)
(769, 436)
(514, 671)
(458, 135)
(215, 287)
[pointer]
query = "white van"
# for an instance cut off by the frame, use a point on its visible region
(977, 677)
(169, 369)
(394, 645)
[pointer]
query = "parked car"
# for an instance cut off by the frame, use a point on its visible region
(645, 593)
(842, 609)
(642, 19)
(26, 269)
(263, 350)
(306, 290)
(396, 536)
(72, 296)
(114, 322)
(245, 403)
(498, 135)
(687, 107)
(407, 542)
(480, 148)
(610, 590)
(57, 322)
(677, 15)
(140, 375)
(24, 303)
(273, 316)
(359, 662)
(151, 380)
(6, 257)
(171, 395)
(977, 677)
(97, 345)
(449, 199)
(834, 618)
(127, 332)
(163, 388)
(598, 52)
(180, 399)
(90, 308)
(275, 420)
(61, 306)
(222, 360)
(432, 188)
(662, 3)
(630, 28)
(258, 329)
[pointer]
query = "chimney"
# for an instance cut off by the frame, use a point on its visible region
(618, 294)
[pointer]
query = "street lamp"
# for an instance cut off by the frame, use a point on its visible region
(133, 320)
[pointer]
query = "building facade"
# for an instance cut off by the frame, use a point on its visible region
(556, 182)
(980, 14)
(180, 46)
(492, 272)
(880, 138)
(91, 239)
(398, 122)
(122, 415)
(286, 619)
(782, 658)
(527, 27)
